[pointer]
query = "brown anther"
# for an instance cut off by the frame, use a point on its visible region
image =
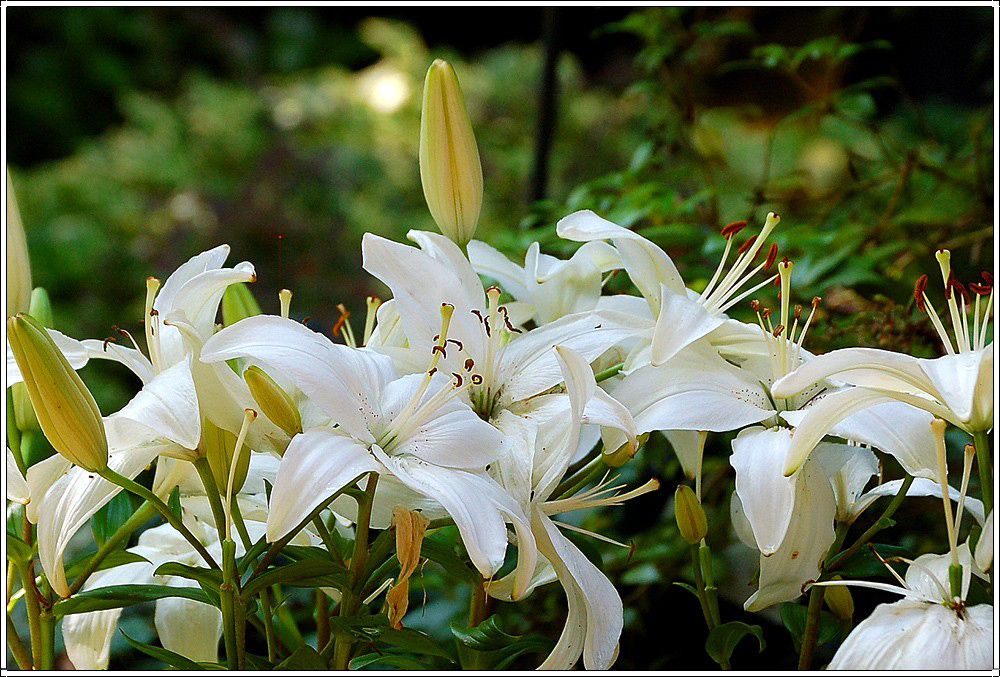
(440, 349)
(987, 278)
(755, 306)
(798, 311)
(765, 313)
(477, 379)
(746, 245)
(733, 228)
(486, 326)
(776, 281)
(457, 343)
(494, 288)
(341, 321)
(777, 330)
(953, 283)
(110, 339)
(305, 320)
(979, 289)
(458, 379)
(772, 254)
(469, 364)
(918, 293)
(153, 312)
(432, 371)
(816, 301)
(477, 313)
(506, 320)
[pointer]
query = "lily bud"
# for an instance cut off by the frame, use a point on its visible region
(689, 514)
(238, 304)
(217, 445)
(66, 411)
(40, 308)
(273, 401)
(18, 264)
(450, 170)
(839, 599)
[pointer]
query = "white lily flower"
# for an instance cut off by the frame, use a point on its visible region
(683, 316)
(957, 387)
(17, 486)
(550, 287)
(417, 430)
(531, 472)
(927, 630)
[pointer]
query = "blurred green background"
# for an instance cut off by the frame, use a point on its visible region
(138, 137)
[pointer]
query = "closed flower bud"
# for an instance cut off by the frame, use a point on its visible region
(839, 599)
(690, 515)
(238, 304)
(18, 265)
(218, 445)
(24, 416)
(273, 401)
(450, 170)
(66, 411)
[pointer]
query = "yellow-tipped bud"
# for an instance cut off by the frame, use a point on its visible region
(273, 401)
(238, 304)
(450, 170)
(40, 308)
(689, 514)
(839, 599)
(66, 411)
(18, 264)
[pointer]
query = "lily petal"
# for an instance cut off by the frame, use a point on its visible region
(137, 363)
(920, 487)
(188, 627)
(681, 322)
(768, 497)
(316, 464)
(984, 548)
(75, 352)
(167, 407)
(17, 486)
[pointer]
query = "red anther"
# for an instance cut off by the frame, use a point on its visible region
(765, 313)
(987, 278)
(469, 364)
(746, 245)
(733, 228)
(344, 314)
(918, 293)
(816, 301)
(305, 320)
(980, 289)
(776, 281)
(777, 330)
(953, 283)
(755, 306)
(772, 254)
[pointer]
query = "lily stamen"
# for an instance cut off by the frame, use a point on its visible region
(285, 299)
(373, 303)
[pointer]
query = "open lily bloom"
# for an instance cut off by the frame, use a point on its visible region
(957, 387)
(531, 472)
(551, 288)
(514, 365)
(18, 490)
(927, 630)
(417, 430)
(683, 316)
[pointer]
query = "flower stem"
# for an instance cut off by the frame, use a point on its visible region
(985, 468)
(268, 615)
(212, 491)
(48, 628)
(17, 650)
(478, 604)
(710, 613)
(167, 514)
(138, 518)
(24, 570)
(227, 595)
(811, 632)
(579, 480)
(351, 599)
(322, 620)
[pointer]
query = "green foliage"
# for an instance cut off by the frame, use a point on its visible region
(723, 639)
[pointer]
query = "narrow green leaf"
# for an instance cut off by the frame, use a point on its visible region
(444, 554)
(118, 596)
(174, 503)
(722, 639)
(111, 560)
(413, 640)
(370, 660)
(205, 577)
(18, 549)
(309, 573)
(159, 653)
(487, 636)
(793, 616)
(687, 586)
(108, 519)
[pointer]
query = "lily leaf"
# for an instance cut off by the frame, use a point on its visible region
(723, 639)
(118, 596)
(159, 653)
(308, 573)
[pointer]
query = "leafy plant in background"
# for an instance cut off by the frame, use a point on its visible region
(832, 167)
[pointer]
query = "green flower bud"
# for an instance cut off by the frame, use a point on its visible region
(450, 170)
(839, 599)
(273, 401)
(238, 303)
(66, 411)
(18, 264)
(218, 446)
(24, 415)
(689, 514)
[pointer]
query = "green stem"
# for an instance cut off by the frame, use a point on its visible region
(585, 476)
(811, 632)
(212, 491)
(48, 623)
(711, 592)
(268, 616)
(17, 650)
(479, 609)
(711, 617)
(322, 620)
(351, 600)
(609, 372)
(13, 434)
(33, 608)
(325, 536)
(167, 514)
(227, 597)
(985, 468)
(138, 518)
(880, 523)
